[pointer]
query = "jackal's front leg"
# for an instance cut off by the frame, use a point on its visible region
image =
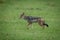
(29, 23)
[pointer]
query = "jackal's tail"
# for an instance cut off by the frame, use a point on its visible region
(46, 25)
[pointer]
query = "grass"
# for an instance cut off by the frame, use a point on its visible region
(13, 28)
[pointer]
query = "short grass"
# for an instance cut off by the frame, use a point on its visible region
(13, 28)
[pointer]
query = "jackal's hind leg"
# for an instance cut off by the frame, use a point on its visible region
(41, 24)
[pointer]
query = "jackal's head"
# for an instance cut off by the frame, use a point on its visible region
(22, 15)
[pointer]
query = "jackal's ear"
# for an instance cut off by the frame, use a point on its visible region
(21, 15)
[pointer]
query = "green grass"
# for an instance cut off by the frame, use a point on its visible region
(13, 28)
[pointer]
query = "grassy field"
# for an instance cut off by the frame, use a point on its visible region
(13, 28)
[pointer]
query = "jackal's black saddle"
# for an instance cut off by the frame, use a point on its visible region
(31, 19)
